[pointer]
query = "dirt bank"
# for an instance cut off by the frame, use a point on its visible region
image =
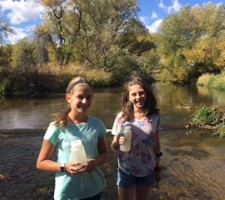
(189, 172)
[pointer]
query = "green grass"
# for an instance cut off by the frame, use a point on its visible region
(205, 116)
(210, 118)
(212, 81)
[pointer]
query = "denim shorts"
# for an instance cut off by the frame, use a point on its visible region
(127, 181)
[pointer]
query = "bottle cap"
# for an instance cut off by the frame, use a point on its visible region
(127, 126)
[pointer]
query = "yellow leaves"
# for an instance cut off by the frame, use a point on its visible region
(42, 29)
(204, 79)
(165, 60)
(220, 60)
(105, 36)
(205, 50)
(50, 2)
(182, 74)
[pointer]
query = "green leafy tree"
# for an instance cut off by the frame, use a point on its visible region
(86, 31)
(5, 56)
(24, 56)
(110, 23)
(191, 42)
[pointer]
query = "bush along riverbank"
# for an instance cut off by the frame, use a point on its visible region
(212, 81)
(211, 117)
(54, 79)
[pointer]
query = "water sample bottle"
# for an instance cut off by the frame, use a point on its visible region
(127, 132)
(78, 152)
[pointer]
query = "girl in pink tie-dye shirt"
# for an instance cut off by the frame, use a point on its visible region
(136, 168)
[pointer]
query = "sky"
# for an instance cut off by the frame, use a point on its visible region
(24, 15)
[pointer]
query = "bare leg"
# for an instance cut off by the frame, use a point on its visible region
(126, 193)
(142, 192)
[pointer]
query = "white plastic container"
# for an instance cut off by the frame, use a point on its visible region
(78, 152)
(127, 132)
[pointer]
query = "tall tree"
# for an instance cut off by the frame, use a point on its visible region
(88, 30)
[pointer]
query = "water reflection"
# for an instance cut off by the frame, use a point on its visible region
(28, 113)
(172, 101)
(217, 97)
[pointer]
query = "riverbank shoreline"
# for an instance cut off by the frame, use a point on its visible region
(21, 131)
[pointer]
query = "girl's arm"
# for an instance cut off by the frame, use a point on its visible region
(115, 144)
(44, 161)
(158, 152)
(157, 143)
(102, 149)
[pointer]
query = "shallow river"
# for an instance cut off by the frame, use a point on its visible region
(192, 164)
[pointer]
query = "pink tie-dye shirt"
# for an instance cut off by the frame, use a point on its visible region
(140, 160)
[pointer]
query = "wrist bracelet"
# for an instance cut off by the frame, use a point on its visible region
(158, 154)
(65, 167)
(62, 167)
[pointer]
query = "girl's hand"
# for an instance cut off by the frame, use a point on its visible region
(91, 165)
(121, 139)
(74, 168)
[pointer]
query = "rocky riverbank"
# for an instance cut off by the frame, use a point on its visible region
(190, 172)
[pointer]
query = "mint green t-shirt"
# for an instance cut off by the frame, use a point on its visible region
(86, 184)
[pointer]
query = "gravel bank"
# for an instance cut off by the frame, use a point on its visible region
(189, 173)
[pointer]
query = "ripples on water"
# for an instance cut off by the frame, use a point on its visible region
(175, 102)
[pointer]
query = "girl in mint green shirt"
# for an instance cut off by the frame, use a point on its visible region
(74, 180)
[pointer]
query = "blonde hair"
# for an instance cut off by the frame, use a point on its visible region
(60, 119)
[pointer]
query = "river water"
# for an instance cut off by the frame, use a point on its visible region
(193, 161)
(176, 103)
